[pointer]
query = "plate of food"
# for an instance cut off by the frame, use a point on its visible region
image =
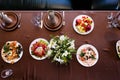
(118, 48)
(12, 52)
(38, 48)
(87, 55)
(83, 24)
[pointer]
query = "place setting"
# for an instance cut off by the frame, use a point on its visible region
(9, 21)
(51, 20)
(11, 53)
(114, 22)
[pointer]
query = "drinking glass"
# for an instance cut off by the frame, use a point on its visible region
(6, 73)
(36, 20)
(113, 20)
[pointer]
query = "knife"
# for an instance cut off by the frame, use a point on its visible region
(41, 26)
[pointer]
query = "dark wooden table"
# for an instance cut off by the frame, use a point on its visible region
(103, 38)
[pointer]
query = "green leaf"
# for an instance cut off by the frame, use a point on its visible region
(119, 55)
(72, 50)
(93, 57)
(6, 48)
(82, 54)
(69, 57)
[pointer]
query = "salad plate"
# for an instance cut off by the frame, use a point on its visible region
(12, 52)
(38, 48)
(87, 55)
(118, 48)
(83, 24)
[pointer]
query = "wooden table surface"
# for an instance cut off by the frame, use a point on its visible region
(103, 38)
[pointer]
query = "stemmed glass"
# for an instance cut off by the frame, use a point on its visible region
(37, 20)
(6, 73)
(113, 20)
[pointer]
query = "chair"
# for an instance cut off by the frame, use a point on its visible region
(58, 4)
(34, 4)
(81, 4)
(104, 4)
(118, 7)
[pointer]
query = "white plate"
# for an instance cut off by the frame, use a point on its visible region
(13, 60)
(87, 62)
(80, 17)
(118, 46)
(30, 51)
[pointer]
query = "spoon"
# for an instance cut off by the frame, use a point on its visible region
(19, 16)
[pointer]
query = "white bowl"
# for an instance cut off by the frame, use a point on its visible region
(83, 33)
(117, 46)
(13, 60)
(87, 63)
(30, 51)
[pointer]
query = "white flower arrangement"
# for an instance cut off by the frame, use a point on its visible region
(61, 49)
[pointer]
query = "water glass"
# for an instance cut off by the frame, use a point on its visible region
(6, 73)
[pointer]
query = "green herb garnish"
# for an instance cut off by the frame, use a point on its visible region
(6, 48)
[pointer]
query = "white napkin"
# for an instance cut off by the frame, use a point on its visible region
(51, 17)
(5, 18)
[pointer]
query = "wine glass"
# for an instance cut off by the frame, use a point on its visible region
(36, 20)
(110, 18)
(6, 73)
(113, 20)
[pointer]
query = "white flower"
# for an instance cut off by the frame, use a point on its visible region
(72, 45)
(62, 37)
(56, 47)
(49, 52)
(58, 59)
(52, 44)
(65, 54)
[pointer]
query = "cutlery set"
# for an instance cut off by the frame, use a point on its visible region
(38, 20)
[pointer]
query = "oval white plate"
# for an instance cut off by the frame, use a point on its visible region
(33, 42)
(78, 53)
(84, 33)
(117, 46)
(14, 60)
